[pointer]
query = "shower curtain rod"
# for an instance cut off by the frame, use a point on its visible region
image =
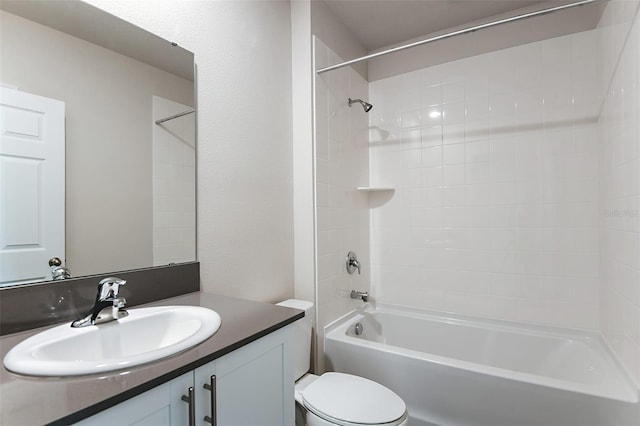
(455, 33)
(171, 117)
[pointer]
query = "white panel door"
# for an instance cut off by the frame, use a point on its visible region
(31, 185)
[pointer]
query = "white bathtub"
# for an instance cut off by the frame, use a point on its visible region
(454, 370)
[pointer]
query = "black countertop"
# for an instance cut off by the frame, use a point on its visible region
(35, 400)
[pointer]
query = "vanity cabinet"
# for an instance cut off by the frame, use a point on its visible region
(253, 385)
(160, 406)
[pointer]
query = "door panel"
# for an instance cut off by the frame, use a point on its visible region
(32, 185)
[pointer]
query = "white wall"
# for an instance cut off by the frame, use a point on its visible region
(494, 158)
(245, 207)
(303, 166)
(620, 182)
(342, 165)
(108, 141)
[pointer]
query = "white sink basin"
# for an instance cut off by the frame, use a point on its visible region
(146, 335)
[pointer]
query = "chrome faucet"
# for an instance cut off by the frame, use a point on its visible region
(362, 295)
(108, 306)
(352, 263)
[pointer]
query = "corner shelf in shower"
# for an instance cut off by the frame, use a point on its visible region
(377, 195)
(374, 188)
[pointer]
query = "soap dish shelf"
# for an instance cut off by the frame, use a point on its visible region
(377, 195)
(374, 188)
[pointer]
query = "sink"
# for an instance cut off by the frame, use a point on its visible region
(146, 335)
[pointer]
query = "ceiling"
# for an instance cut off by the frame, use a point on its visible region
(380, 23)
(84, 21)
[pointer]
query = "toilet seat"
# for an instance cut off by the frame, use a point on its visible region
(347, 400)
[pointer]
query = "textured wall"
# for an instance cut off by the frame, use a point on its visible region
(245, 202)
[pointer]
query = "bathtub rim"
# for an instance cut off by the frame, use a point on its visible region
(336, 330)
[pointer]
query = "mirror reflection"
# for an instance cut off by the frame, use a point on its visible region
(97, 156)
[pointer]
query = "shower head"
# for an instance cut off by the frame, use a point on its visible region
(365, 105)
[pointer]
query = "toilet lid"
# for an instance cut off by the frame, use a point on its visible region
(352, 399)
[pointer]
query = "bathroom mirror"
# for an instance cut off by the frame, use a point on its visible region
(119, 101)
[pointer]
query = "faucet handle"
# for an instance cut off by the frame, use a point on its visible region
(108, 288)
(119, 302)
(352, 263)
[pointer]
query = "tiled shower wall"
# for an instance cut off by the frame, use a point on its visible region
(342, 165)
(620, 182)
(174, 186)
(495, 163)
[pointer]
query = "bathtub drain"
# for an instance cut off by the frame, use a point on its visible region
(357, 329)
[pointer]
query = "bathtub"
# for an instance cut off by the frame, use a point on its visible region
(456, 370)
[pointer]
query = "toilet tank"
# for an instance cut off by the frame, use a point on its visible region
(301, 335)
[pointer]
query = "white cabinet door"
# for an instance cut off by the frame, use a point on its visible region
(31, 185)
(255, 384)
(161, 406)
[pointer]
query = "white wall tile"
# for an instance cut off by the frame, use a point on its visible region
(431, 136)
(453, 113)
(453, 92)
(432, 95)
(410, 119)
(453, 154)
(342, 165)
(174, 194)
(619, 38)
(505, 219)
(478, 173)
(454, 174)
(432, 157)
(453, 133)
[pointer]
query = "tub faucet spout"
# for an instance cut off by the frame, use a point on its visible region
(362, 295)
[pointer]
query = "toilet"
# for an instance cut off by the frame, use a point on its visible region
(337, 398)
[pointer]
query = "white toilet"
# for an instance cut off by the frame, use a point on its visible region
(337, 398)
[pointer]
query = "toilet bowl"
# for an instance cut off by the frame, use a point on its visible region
(337, 398)
(344, 399)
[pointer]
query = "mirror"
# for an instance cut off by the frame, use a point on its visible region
(120, 194)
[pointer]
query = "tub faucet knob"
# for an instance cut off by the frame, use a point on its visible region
(352, 263)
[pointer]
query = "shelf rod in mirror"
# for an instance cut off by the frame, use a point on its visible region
(171, 117)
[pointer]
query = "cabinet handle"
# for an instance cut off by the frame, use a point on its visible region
(192, 406)
(214, 414)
